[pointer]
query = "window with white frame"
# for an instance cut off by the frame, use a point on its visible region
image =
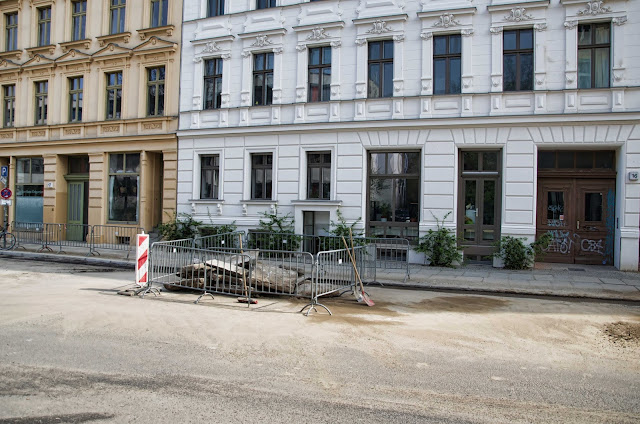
(320, 74)
(261, 176)
(447, 62)
(518, 59)
(319, 175)
(215, 8)
(380, 69)
(265, 4)
(209, 176)
(594, 55)
(213, 83)
(262, 79)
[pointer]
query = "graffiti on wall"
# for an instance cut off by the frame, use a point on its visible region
(563, 241)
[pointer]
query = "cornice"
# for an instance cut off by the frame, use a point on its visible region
(454, 11)
(525, 4)
(388, 18)
(325, 25)
(276, 31)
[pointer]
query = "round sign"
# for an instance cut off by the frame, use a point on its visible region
(5, 193)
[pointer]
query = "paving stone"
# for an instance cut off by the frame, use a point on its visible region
(584, 279)
(614, 281)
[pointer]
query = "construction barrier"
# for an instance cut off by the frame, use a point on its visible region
(142, 260)
(206, 271)
(219, 241)
(29, 233)
(113, 237)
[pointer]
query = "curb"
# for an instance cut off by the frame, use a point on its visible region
(79, 260)
(507, 291)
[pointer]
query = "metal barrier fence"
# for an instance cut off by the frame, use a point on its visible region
(219, 241)
(29, 233)
(381, 253)
(282, 272)
(114, 237)
(92, 237)
(205, 271)
(334, 272)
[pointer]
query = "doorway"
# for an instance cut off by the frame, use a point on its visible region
(576, 206)
(479, 203)
(315, 224)
(77, 198)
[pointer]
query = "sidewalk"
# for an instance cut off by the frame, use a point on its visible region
(595, 282)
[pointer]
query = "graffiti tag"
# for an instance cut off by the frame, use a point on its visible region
(556, 223)
(593, 246)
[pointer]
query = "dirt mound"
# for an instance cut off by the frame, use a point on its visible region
(623, 332)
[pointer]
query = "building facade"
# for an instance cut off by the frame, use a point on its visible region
(496, 117)
(90, 103)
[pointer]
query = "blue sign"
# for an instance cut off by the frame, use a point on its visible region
(4, 171)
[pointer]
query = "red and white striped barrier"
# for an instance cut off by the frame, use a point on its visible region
(142, 259)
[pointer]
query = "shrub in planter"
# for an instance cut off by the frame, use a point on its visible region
(181, 226)
(212, 230)
(440, 245)
(341, 229)
(276, 232)
(516, 255)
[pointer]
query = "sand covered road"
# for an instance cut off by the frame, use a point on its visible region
(71, 348)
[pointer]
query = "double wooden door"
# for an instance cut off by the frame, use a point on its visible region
(579, 214)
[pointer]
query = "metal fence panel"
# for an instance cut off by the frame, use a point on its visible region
(30, 233)
(114, 237)
(206, 271)
(69, 235)
(219, 241)
(282, 272)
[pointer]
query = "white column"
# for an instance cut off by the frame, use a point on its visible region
(540, 68)
(571, 67)
(225, 95)
(426, 86)
(245, 92)
(467, 72)
(361, 69)
(198, 73)
(277, 75)
(618, 81)
(301, 76)
(496, 59)
(398, 77)
(336, 53)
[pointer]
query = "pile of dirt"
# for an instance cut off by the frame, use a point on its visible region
(623, 333)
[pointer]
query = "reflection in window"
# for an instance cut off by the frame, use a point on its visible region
(124, 186)
(29, 189)
(518, 60)
(593, 207)
(555, 205)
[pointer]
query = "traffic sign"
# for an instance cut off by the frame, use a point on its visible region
(5, 202)
(3, 180)
(4, 171)
(5, 193)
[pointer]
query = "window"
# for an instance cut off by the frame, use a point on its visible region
(518, 60)
(117, 16)
(319, 175)
(264, 4)
(209, 176)
(159, 12)
(78, 20)
(42, 92)
(44, 26)
(11, 31)
(124, 184)
(212, 83)
(261, 176)
(594, 47)
(9, 105)
(155, 91)
(29, 189)
(447, 64)
(320, 74)
(215, 8)
(76, 86)
(394, 194)
(380, 69)
(114, 95)
(262, 79)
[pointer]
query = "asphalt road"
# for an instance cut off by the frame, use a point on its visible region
(72, 350)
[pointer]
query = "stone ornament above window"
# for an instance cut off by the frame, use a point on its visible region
(379, 27)
(210, 47)
(446, 20)
(317, 33)
(518, 14)
(262, 41)
(594, 8)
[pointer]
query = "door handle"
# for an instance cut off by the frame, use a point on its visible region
(578, 225)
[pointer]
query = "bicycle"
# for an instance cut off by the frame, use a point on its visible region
(7, 240)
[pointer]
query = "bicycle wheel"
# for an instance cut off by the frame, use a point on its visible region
(7, 241)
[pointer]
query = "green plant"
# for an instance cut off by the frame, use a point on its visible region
(516, 255)
(339, 229)
(180, 226)
(440, 245)
(212, 230)
(276, 232)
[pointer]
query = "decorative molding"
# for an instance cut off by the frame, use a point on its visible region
(466, 32)
(225, 56)
(278, 50)
(570, 24)
(301, 47)
(620, 20)
(262, 41)
(540, 27)
(496, 30)
(210, 47)
(379, 27)
(197, 59)
(317, 33)
(594, 8)
(246, 54)
(336, 44)
(38, 133)
(72, 131)
(152, 125)
(426, 35)
(361, 41)
(446, 20)
(398, 38)
(110, 128)
(518, 14)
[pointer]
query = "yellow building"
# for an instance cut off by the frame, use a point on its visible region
(89, 93)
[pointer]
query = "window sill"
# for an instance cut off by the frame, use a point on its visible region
(112, 38)
(77, 44)
(259, 202)
(211, 201)
(316, 202)
(32, 51)
(161, 30)
(17, 54)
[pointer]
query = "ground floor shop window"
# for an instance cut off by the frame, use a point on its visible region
(29, 189)
(394, 194)
(124, 186)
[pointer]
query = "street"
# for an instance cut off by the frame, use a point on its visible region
(72, 350)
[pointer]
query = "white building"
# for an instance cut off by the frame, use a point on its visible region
(507, 118)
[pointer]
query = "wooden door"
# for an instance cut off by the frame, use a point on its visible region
(75, 216)
(578, 213)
